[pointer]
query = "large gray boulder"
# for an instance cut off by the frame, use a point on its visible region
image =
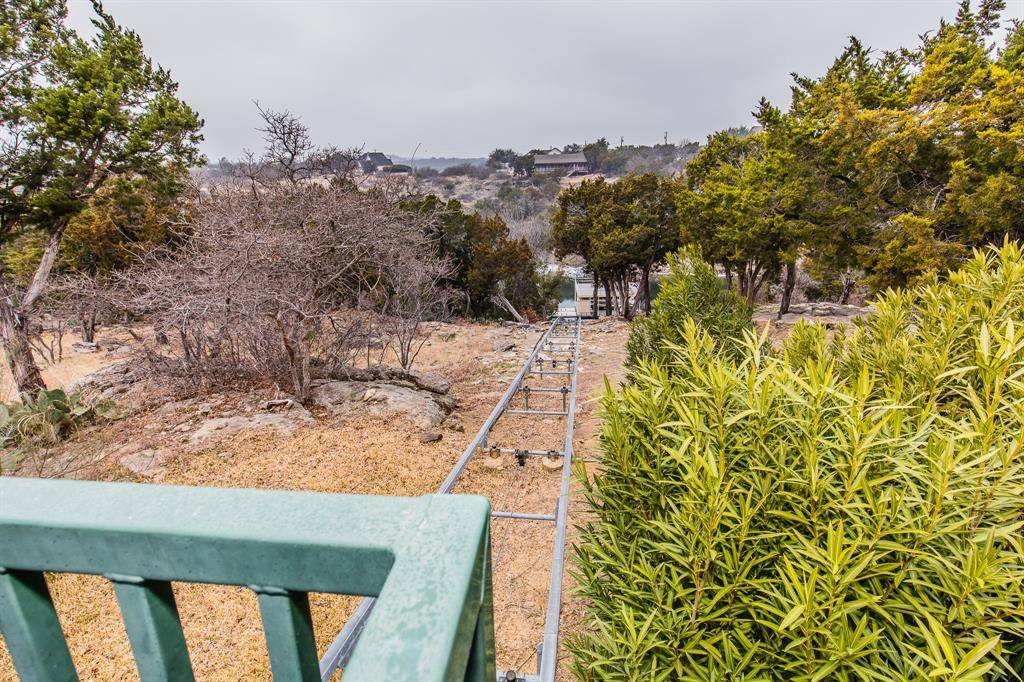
(284, 422)
(425, 409)
(113, 380)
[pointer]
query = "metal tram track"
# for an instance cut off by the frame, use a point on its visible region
(562, 342)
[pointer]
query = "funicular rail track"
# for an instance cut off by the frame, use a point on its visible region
(559, 348)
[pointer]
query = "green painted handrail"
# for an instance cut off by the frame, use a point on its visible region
(426, 559)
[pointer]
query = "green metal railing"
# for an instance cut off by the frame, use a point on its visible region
(426, 560)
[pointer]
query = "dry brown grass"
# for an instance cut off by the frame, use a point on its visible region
(353, 455)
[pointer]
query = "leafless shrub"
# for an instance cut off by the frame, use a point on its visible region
(47, 339)
(391, 189)
(290, 150)
(281, 276)
(291, 156)
(535, 228)
(413, 292)
(468, 170)
(268, 282)
(82, 299)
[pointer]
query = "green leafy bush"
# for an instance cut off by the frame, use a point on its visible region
(44, 420)
(691, 289)
(843, 510)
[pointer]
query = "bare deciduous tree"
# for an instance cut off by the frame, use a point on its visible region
(289, 148)
(413, 292)
(81, 298)
(279, 276)
(268, 282)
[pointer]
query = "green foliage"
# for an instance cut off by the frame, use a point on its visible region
(86, 111)
(523, 165)
(622, 229)
(905, 252)
(43, 420)
(501, 157)
(841, 510)
(692, 290)
(744, 205)
(485, 260)
(76, 113)
(917, 150)
(126, 218)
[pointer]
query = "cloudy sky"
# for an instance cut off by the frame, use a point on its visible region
(461, 78)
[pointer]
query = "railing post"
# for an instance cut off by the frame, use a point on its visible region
(288, 628)
(154, 628)
(480, 667)
(31, 629)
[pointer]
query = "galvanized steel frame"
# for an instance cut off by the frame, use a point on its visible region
(552, 340)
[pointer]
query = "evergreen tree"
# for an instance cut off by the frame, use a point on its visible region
(75, 113)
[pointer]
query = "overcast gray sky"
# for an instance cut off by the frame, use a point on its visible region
(462, 78)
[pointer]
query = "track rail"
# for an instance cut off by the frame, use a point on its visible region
(563, 338)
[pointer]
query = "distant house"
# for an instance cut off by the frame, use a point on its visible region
(584, 292)
(569, 164)
(374, 161)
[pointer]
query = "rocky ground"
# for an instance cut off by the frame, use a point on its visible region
(382, 437)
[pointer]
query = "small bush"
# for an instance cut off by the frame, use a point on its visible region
(46, 419)
(843, 510)
(468, 170)
(691, 290)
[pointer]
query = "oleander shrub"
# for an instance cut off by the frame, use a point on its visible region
(691, 289)
(842, 509)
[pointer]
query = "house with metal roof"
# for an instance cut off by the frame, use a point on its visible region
(570, 164)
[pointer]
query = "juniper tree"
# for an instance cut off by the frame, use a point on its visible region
(75, 113)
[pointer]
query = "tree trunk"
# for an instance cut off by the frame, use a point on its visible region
(645, 289)
(593, 299)
(608, 301)
(624, 294)
(849, 282)
(89, 327)
(753, 283)
(620, 301)
(18, 350)
(844, 297)
(298, 364)
(14, 319)
(632, 303)
(628, 306)
(787, 289)
(502, 302)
